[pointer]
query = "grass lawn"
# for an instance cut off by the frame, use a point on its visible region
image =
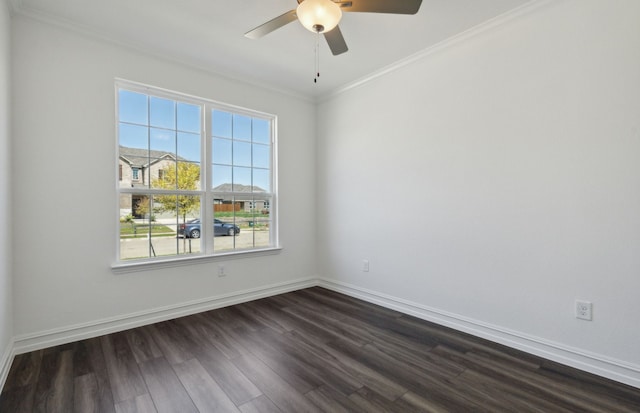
(128, 230)
(239, 214)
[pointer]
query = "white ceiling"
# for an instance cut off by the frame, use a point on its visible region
(210, 34)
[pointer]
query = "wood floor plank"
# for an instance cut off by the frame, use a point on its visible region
(124, 374)
(205, 392)
(260, 312)
(98, 366)
(229, 317)
(166, 390)
(331, 400)
(20, 387)
(142, 345)
(321, 365)
(501, 396)
(332, 327)
(85, 391)
(24, 370)
(273, 311)
(373, 379)
(372, 402)
(139, 404)
(273, 386)
(571, 394)
(206, 331)
(260, 404)
(234, 383)
(421, 382)
(294, 371)
(171, 341)
(412, 403)
(419, 358)
(626, 396)
(55, 387)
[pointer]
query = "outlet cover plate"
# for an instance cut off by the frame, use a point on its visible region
(584, 310)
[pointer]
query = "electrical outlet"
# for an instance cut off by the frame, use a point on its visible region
(365, 265)
(584, 310)
(221, 271)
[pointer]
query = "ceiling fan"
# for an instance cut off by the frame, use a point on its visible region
(323, 16)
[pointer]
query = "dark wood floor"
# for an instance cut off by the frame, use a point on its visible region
(307, 351)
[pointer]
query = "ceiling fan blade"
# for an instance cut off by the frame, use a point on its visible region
(271, 25)
(336, 41)
(381, 6)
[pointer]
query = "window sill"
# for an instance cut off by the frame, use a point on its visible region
(123, 268)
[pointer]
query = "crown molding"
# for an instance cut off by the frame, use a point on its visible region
(466, 35)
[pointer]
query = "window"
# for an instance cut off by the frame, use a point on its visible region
(183, 161)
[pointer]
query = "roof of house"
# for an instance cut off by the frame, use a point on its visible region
(237, 188)
(144, 157)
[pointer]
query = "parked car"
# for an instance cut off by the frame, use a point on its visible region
(192, 228)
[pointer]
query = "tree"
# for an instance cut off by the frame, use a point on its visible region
(141, 208)
(185, 176)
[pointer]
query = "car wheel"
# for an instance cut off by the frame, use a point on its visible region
(195, 233)
(231, 232)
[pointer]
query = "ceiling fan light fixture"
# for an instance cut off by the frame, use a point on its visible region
(319, 16)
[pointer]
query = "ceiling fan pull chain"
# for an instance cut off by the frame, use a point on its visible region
(315, 80)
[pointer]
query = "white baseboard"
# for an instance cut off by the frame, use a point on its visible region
(5, 363)
(600, 365)
(69, 334)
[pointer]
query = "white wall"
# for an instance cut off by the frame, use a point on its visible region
(6, 311)
(496, 180)
(64, 174)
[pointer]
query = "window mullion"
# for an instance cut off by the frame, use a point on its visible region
(205, 180)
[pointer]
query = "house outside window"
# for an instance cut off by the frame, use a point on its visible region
(184, 160)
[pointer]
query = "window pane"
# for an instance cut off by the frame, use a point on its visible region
(241, 153)
(261, 180)
(132, 107)
(133, 136)
(162, 140)
(241, 127)
(244, 222)
(261, 156)
(188, 176)
(221, 178)
(225, 227)
(262, 223)
(189, 118)
(241, 179)
(163, 174)
(162, 113)
(148, 225)
(222, 151)
(221, 124)
(261, 131)
(189, 146)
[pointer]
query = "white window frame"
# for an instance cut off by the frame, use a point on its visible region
(206, 193)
